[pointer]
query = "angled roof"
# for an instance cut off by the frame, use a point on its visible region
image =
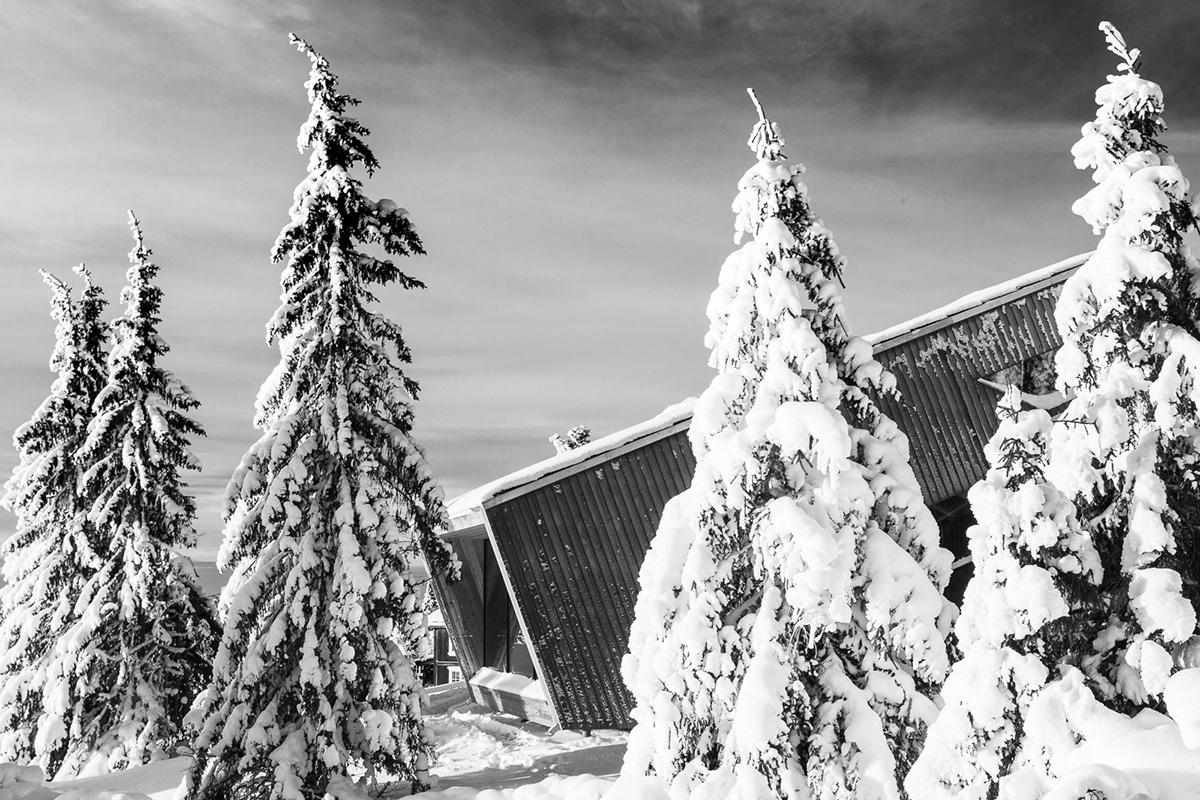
(975, 303)
(466, 509)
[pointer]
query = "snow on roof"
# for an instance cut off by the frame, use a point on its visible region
(464, 509)
(992, 295)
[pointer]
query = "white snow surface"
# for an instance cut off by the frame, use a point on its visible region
(479, 754)
(1092, 747)
(493, 757)
(528, 688)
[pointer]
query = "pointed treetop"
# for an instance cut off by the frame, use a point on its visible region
(335, 139)
(61, 311)
(757, 105)
(765, 139)
(137, 327)
(1131, 59)
(317, 59)
(135, 227)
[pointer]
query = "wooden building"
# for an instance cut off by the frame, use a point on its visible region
(551, 553)
(443, 666)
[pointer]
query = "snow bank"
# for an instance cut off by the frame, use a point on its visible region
(575, 787)
(28, 783)
(22, 783)
(1089, 746)
(488, 678)
(158, 780)
(469, 742)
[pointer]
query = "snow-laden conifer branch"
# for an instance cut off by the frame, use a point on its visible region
(53, 551)
(1034, 570)
(789, 628)
(1124, 450)
(121, 676)
(330, 512)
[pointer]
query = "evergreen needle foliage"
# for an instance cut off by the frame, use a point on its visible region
(53, 552)
(786, 642)
(1126, 450)
(330, 512)
(125, 673)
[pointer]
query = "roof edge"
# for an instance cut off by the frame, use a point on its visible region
(466, 510)
(975, 303)
(465, 507)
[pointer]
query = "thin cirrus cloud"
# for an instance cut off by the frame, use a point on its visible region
(569, 165)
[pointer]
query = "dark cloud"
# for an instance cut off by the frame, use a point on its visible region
(1034, 59)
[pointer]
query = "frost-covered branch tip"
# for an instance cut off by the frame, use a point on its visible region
(1117, 46)
(316, 58)
(764, 139)
(757, 105)
(135, 226)
(85, 275)
(53, 281)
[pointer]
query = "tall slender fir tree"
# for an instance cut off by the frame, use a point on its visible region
(1125, 449)
(52, 554)
(123, 676)
(1035, 571)
(329, 512)
(788, 634)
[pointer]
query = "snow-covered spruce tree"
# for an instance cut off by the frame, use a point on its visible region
(329, 512)
(123, 676)
(1034, 568)
(1126, 449)
(786, 637)
(53, 551)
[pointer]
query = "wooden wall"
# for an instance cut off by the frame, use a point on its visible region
(573, 549)
(946, 412)
(478, 610)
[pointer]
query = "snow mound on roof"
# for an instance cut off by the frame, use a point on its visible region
(977, 298)
(465, 505)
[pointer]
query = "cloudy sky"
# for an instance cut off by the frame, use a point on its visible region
(569, 164)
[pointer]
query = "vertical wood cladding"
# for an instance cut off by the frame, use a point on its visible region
(573, 550)
(478, 611)
(946, 412)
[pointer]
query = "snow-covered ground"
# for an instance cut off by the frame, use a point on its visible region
(476, 751)
(483, 756)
